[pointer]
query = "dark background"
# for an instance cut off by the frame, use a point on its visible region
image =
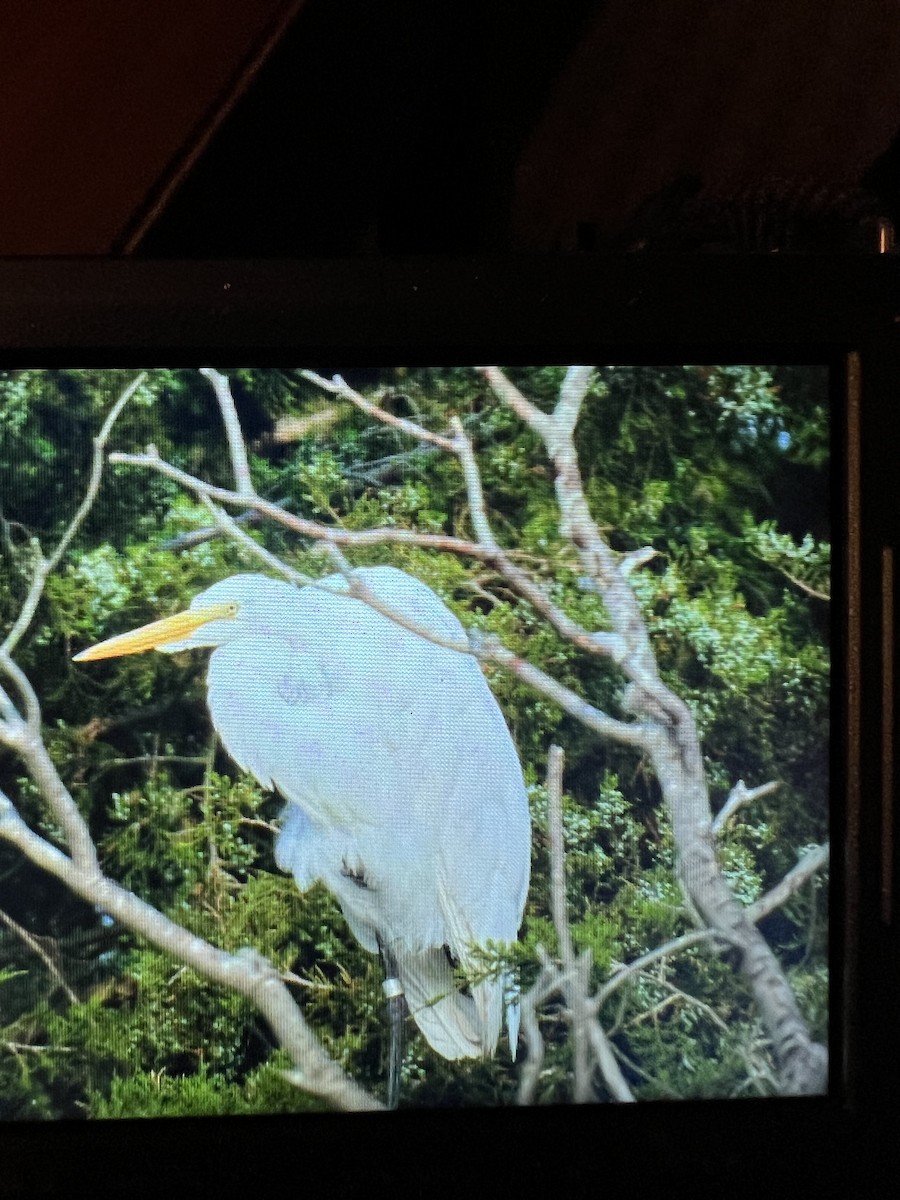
(343, 127)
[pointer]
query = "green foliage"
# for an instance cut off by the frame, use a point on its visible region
(722, 471)
(807, 564)
(202, 1095)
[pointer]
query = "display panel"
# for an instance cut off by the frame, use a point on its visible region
(635, 558)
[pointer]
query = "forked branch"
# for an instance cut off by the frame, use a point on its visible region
(671, 740)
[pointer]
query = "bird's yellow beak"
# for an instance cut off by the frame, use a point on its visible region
(157, 633)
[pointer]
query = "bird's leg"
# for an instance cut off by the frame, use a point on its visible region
(396, 1011)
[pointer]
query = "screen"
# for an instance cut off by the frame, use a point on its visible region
(438, 737)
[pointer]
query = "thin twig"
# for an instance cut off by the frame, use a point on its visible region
(675, 995)
(740, 795)
(628, 971)
(490, 649)
(574, 992)
(228, 525)
(44, 566)
(809, 864)
(602, 643)
(587, 1033)
(549, 980)
(531, 1033)
(807, 588)
(17, 1048)
(29, 700)
(608, 1064)
(462, 448)
(35, 947)
(339, 387)
(301, 525)
(236, 448)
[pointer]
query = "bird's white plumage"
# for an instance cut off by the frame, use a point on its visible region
(405, 791)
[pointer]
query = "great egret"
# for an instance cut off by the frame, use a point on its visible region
(404, 789)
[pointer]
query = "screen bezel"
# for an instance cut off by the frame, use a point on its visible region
(830, 311)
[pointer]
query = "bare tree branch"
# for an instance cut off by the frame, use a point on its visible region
(246, 972)
(575, 996)
(462, 448)
(809, 864)
(608, 1064)
(29, 701)
(740, 795)
(485, 648)
(807, 588)
(34, 945)
(572, 392)
(339, 387)
(236, 448)
(546, 984)
(227, 524)
(507, 391)
(592, 1048)
(25, 738)
(672, 742)
(609, 645)
(300, 525)
(556, 838)
(490, 649)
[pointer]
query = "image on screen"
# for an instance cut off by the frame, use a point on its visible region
(405, 737)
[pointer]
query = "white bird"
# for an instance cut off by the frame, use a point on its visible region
(405, 793)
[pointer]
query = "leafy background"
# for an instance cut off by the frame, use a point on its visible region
(723, 470)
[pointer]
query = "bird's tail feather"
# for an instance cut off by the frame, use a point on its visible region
(458, 1024)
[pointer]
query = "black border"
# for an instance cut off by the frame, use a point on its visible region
(842, 312)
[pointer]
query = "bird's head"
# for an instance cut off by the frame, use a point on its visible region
(215, 616)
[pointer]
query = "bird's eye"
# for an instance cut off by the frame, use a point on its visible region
(231, 608)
